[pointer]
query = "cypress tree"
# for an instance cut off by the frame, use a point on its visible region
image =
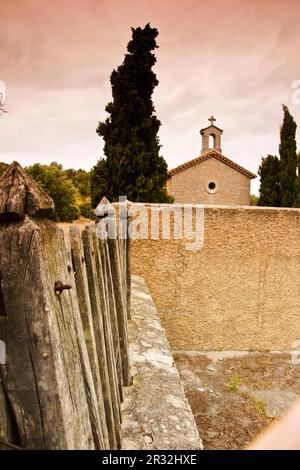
(288, 160)
(297, 200)
(133, 165)
(269, 172)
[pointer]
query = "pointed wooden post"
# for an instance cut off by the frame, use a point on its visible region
(80, 274)
(20, 195)
(47, 378)
(107, 225)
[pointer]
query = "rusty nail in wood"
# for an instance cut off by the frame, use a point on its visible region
(60, 286)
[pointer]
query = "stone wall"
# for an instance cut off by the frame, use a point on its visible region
(188, 186)
(241, 291)
(156, 414)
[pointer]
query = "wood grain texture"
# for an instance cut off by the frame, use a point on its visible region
(20, 195)
(93, 284)
(45, 380)
(63, 319)
(121, 306)
(80, 275)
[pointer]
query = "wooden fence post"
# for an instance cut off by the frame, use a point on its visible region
(107, 379)
(79, 270)
(107, 323)
(128, 275)
(111, 307)
(63, 318)
(47, 375)
(121, 303)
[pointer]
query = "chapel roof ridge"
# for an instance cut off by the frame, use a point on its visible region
(212, 153)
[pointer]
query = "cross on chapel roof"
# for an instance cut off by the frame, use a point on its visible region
(212, 119)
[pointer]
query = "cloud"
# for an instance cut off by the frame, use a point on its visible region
(236, 59)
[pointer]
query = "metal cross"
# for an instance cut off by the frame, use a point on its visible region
(212, 119)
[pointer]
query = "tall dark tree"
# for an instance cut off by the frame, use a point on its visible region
(297, 200)
(269, 172)
(288, 160)
(133, 165)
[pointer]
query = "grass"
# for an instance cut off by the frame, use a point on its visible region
(259, 406)
(234, 383)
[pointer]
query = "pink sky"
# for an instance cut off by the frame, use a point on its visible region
(235, 59)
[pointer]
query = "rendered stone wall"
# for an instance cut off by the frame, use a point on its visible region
(241, 291)
(188, 186)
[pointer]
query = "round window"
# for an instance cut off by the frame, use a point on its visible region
(211, 187)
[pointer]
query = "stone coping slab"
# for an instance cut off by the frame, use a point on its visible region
(156, 414)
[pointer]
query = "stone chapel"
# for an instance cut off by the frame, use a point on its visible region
(210, 178)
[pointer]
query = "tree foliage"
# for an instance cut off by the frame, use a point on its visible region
(254, 200)
(297, 199)
(288, 160)
(279, 184)
(133, 164)
(81, 180)
(99, 182)
(69, 189)
(269, 172)
(55, 182)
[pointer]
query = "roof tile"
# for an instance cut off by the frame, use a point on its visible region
(211, 154)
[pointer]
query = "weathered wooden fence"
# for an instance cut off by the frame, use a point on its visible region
(64, 306)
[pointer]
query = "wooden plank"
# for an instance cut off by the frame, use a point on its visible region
(108, 335)
(113, 246)
(93, 284)
(112, 311)
(70, 308)
(122, 258)
(67, 350)
(44, 382)
(123, 255)
(78, 269)
(8, 431)
(20, 195)
(128, 276)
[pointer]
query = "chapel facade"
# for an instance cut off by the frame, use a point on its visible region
(210, 178)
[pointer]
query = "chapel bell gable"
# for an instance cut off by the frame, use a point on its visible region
(211, 137)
